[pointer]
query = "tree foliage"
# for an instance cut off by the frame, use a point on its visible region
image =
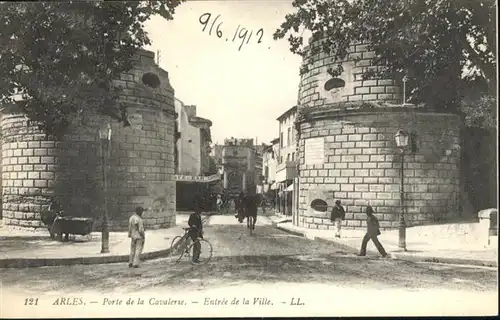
(58, 59)
(431, 42)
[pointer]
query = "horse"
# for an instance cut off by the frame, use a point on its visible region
(248, 208)
(48, 217)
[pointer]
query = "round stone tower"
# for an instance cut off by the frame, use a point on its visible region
(140, 168)
(347, 151)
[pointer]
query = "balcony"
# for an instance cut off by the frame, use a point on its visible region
(286, 171)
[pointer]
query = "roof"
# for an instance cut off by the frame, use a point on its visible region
(287, 113)
(275, 141)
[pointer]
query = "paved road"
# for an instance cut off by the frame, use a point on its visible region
(274, 265)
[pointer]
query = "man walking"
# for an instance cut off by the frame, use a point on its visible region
(136, 234)
(337, 216)
(373, 231)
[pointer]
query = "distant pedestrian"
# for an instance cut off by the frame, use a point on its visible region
(373, 231)
(137, 236)
(337, 216)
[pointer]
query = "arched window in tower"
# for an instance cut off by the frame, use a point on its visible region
(334, 87)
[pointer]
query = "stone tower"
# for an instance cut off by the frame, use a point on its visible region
(141, 159)
(347, 150)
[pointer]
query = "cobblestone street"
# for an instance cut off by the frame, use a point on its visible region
(269, 258)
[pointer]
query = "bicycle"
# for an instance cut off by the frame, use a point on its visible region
(182, 245)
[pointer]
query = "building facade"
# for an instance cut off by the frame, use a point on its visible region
(194, 178)
(269, 165)
(286, 170)
(347, 151)
(238, 166)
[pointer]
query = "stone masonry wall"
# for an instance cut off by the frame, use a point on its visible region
(312, 90)
(140, 168)
(362, 166)
(346, 148)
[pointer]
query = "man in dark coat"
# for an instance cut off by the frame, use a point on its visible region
(196, 231)
(337, 216)
(373, 231)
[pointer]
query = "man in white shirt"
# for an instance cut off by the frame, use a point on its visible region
(136, 234)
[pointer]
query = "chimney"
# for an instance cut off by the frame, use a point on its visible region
(191, 111)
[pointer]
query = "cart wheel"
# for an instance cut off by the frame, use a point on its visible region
(89, 237)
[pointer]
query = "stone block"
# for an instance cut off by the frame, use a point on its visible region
(369, 195)
(28, 152)
(347, 158)
(341, 180)
(34, 144)
(33, 160)
(340, 165)
(362, 158)
(354, 165)
(369, 97)
(347, 145)
(363, 144)
(361, 173)
(385, 96)
(384, 195)
(376, 172)
(347, 173)
(28, 183)
(33, 175)
(384, 165)
(375, 158)
(392, 173)
(377, 188)
(346, 187)
(354, 151)
(385, 82)
(341, 138)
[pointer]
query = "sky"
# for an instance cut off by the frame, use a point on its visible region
(242, 91)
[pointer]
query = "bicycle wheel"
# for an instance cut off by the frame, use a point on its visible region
(175, 246)
(206, 251)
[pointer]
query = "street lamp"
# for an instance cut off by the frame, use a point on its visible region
(402, 142)
(105, 136)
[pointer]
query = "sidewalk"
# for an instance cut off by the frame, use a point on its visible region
(444, 249)
(21, 249)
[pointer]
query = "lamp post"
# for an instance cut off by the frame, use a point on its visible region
(105, 136)
(402, 142)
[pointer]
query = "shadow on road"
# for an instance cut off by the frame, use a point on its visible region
(338, 270)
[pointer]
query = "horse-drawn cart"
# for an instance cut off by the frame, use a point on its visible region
(71, 225)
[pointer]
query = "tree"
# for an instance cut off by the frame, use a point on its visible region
(58, 59)
(432, 42)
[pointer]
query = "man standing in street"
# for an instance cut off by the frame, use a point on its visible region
(373, 231)
(195, 232)
(337, 216)
(136, 234)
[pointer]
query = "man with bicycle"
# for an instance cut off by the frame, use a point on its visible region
(195, 232)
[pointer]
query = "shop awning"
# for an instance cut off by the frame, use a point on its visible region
(289, 188)
(205, 179)
(274, 186)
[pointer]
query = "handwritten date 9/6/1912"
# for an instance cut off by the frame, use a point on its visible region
(240, 34)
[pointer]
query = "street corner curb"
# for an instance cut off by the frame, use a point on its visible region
(52, 262)
(337, 244)
(296, 233)
(470, 262)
